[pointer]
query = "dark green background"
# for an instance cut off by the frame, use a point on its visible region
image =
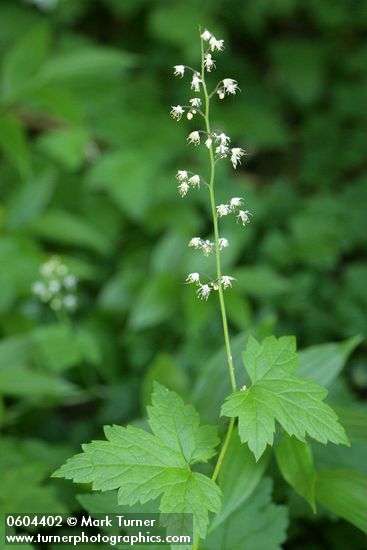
(88, 156)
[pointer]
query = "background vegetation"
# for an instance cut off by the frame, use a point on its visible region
(88, 155)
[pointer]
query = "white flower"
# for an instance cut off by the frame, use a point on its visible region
(223, 210)
(196, 242)
(69, 301)
(208, 142)
(177, 112)
(215, 285)
(54, 286)
(70, 281)
(221, 93)
(194, 138)
(222, 138)
(190, 115)
(193, 278)
(230, 86)
(223, 243)
(216, 44)
(209, 62)
(195, 83)
(195, 102)
(203, 292)
(179, 70)
(183, 188)
(235, 202)
(226, 281)
(206, 35)
(236, 154)
(243, 215)
(207, 247)
(182, 175)
(222, 150)
(194, 180)
(38, 288)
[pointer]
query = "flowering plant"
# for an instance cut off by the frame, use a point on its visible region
(163, 463)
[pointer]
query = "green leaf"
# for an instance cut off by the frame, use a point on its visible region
(21, 381)
(23, 61)
(255, 525)
(67, 228)
(143, 466)
(272, 359)
(296, 403)
(29, 200)
(67, 146)
(13, 144)
(295, 462)
(324, 362)
(239, 476)
(344, 492)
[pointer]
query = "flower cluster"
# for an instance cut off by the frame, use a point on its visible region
(205, 289)
(56, 286)
(186, 180)
(219, 146)
(207, 246)
(233, 206)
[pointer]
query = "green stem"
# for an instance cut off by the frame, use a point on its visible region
(216, 231)
(219, 274)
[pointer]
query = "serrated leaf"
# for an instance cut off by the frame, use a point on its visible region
(296, 403)
(344, 492)
(178, 425)
(257, 524)
(143, 466)
(295, 461)
(271, 359)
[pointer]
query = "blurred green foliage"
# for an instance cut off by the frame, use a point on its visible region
(88, 155)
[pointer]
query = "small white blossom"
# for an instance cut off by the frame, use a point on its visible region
(209, 62)
(208, 142)
(207, 247)
(222, 150)
(221, 93)
(194, 180)
(183, 188)
(182, 175)
(223, 210)
(195, 83)
(243, 215)
(203, 292)
(177, 112)
(70, 301)
(216, 44)
(38, 288)
(193, 278)
(194, 138)
(235, 202)
(206, 35)
(226, 281)
(179, 70)
(54, 286)
(190, 115)
(236, 154)
(223, 243)
(230, 86)
(196, 242)
(222, 138)
(215, 285)
(70, 281)
(195, 102)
